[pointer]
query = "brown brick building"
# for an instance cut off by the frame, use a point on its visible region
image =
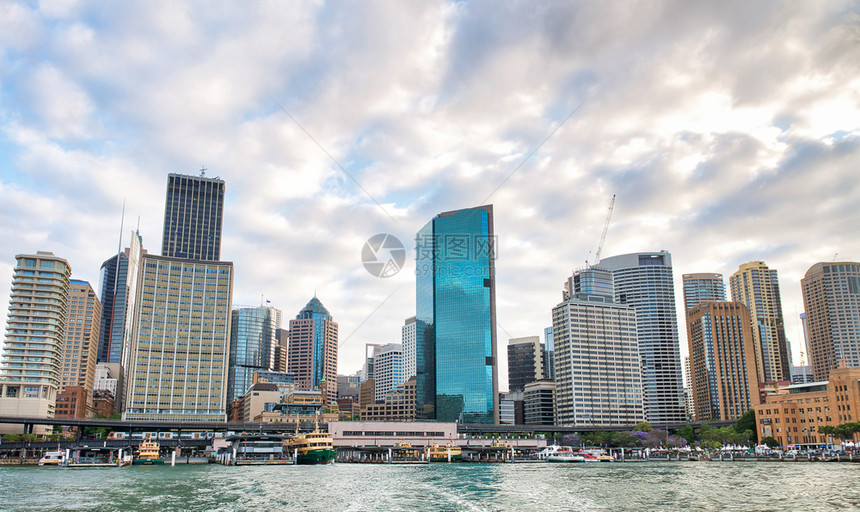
(794, 416)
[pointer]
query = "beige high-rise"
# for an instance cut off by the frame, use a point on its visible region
(757, 287)
(723, 380)
(179, 351)
(36, 325)
(83, 317)
(831, 297)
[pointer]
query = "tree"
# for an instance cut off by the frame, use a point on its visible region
(770, 442)
(746, 422)
(687, 433)
(644, 426)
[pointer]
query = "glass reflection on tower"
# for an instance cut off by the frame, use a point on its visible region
(457, 377)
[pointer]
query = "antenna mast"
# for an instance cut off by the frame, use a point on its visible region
(605, 229)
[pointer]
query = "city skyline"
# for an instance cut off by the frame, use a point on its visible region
(451, 106)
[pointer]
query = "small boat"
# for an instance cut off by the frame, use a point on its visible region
(567, 454)
(98, 456)
(311, 447)
(449, 453)
(54, 458)
(148, 454)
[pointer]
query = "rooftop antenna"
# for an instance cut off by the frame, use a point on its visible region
(202, 171)
(835, 255)
(605, 229)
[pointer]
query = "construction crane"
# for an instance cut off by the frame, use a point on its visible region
(605, 229)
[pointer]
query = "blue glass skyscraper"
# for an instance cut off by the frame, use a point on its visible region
(456, 360)
(251, 343)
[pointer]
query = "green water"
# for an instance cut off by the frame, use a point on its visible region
(445, 487)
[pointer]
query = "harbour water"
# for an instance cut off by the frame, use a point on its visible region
(647, 486)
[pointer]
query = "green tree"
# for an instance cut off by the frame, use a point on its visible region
(687, 433)
(770, 442)
(624, 439)
(746, 422)
(644, 426)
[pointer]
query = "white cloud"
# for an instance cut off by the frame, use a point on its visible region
(729, 133)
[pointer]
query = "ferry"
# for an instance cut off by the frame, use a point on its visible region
(54, 458)
(259, 449)
(437, 453)
(311, 447)
(149, 454)
(565, 454)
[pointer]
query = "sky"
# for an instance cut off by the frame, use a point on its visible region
(728, 132)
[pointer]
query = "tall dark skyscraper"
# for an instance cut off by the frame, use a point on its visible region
(456, 360)
(118, 288)
(193, 213)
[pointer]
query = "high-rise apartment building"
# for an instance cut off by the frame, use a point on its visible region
(193, 215)
(179, 352)
(456, 360)
(757, 287)
(831, 297)
(644, 281)
(313, 348)
(83, 317)
(252, 341)
(387, 369)
(724, 382)
(407, 339)
(703, 287)
(118, 286)
(35, 328)
(525, 362)
(598, 381)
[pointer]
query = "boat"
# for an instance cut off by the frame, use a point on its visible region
(567, 454)
(54, 458)
(437, 453)
(258, 449)
(311, 447)
(98, 456)
(148, 454)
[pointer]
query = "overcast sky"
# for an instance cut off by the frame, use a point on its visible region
(729, 131)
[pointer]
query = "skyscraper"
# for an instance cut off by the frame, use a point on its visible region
(723, 381)
(548, 354)
(408, 332)
(703, 287)
(313, 348)
(83, 317)
(456, 360)
(598, 381)
(757, 287)
(525, 362)
(644, 281)
(831, 297)
(387, 369)
(252, 333)
(179, 351)
(193, 215)
(118, 287)
(35, 327)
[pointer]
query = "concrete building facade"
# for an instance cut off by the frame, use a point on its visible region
(831, 298)
(724, 382)
(645, 282)
(598, 380)
(80, 348)
(313, 348)
(35, 331)
(703, 287)
(193, 214)
(179, 355)
(757, 287)
(525, 362)
(407, 339)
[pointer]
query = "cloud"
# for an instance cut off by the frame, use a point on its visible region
(729, 133)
